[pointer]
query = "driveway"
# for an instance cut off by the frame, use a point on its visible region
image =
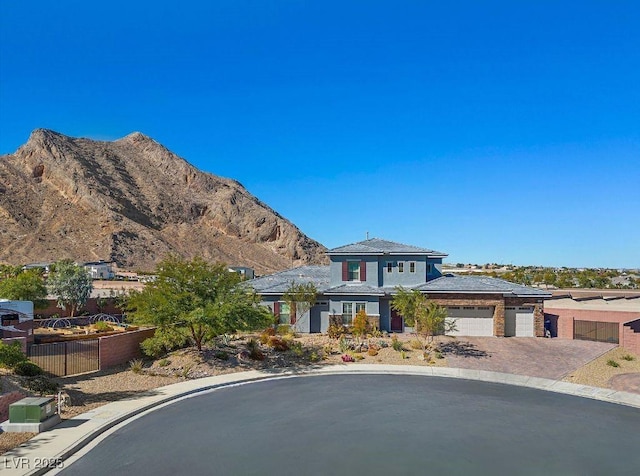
(535, 357)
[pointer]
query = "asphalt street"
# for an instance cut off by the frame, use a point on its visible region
(374, 425)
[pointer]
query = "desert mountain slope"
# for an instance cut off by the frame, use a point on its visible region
(134, 201)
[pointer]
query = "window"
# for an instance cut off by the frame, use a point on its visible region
(468, 307)
(350, 309)
(353, 270)
(412, 267)
(389, 266)
(347, 313)
(285, 314)
(400, 267)
(429, 268)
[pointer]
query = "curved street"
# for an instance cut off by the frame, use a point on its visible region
(373, 424)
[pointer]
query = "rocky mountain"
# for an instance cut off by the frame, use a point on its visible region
(133, 201)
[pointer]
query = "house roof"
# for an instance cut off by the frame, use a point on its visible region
(355, 289)
(479, 284)
(376, 246)
(278, 283)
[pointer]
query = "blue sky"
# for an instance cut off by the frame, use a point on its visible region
(494, 131)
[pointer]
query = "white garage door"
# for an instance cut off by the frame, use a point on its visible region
(518, 322)
(471, 320)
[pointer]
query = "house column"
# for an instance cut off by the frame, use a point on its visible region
(498, 319)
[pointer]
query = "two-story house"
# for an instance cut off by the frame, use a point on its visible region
(365, 275)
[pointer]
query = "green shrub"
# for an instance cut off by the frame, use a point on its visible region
(344, 344)
(164, 362)
(314, 357)
(11, 354)
(41, 384)
(136, 366)
(27, 369)
(396, 344)
(102, 326)
(264, 336)
(285, 330)
(296, 348)
(162, 343)
(403, 355)
(613, 363)
(628, 357)
(439, 355)
(221, 354)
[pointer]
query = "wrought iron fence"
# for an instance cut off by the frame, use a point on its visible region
(67, 358)
(597, 331)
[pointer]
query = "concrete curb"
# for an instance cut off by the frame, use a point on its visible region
(56, 445)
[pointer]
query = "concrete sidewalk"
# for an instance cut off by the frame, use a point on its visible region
(51, 449)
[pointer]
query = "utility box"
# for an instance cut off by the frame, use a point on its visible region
(31, 410)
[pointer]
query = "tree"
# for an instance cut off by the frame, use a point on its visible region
(360, 325)
(25, 286)
(71, 284)
(195, 300)
(426, 317)
(300, 298)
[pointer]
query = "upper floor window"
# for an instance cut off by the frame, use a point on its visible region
(430, 268)
(354, 271)
(389, 266)
(400, 267)
(412, 267)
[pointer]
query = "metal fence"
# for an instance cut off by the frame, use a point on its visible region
(597, 331)
(67, 358)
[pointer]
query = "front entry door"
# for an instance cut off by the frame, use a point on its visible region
(396, 321)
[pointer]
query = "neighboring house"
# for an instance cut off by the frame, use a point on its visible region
(100, 269)
(365, 275)
(598, 315)
(16, 320)
(243, 271)
(44, 266)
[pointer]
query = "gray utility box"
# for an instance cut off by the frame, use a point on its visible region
(31, 410)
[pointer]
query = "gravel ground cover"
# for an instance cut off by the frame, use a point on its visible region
(598, 372)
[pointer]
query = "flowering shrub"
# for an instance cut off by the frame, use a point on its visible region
(348, 358)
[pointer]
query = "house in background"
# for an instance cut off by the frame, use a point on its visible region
(16, 321)
(365, 275)
(100, 269)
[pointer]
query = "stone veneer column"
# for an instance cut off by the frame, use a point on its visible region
(538, 320)
(498, 319)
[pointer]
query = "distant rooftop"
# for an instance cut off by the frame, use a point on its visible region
(452, 283)
(376, 246)
(278, 283)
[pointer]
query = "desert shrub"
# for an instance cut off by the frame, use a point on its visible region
(102, 326)
(375, 332)
(40, 384)
(285, 330)
(136, 366)
(162, 343)
(314, 357)
(344, 344)
(278, 343)
(438, 355)
(403, 355)
(27, 369)
(396, 344)
(348, 358)
(327, 349)
(415, 344)
(336, 331)
(296, 348)
(253, 347)
(221, 354)
(268, 332)
(360, 324)
(613, 363)
(11, 354)
(164, 362)
(382, 344)
(628, 357)
(372, 351)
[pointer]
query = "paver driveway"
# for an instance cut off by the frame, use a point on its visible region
(536, 357)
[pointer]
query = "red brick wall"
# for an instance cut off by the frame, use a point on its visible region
(566, 317)
(6, 400)
(120, 349)
(632, 337)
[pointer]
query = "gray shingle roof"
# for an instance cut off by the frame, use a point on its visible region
(483, 284)
(278, 283)
(376, 246)
(356, 289)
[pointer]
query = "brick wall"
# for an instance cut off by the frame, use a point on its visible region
(631, 334)
(91, 307)
(566, 317)
(120, 349)
(6, 400)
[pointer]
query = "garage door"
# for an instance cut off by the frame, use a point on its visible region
(471, 320)
(518, 321)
